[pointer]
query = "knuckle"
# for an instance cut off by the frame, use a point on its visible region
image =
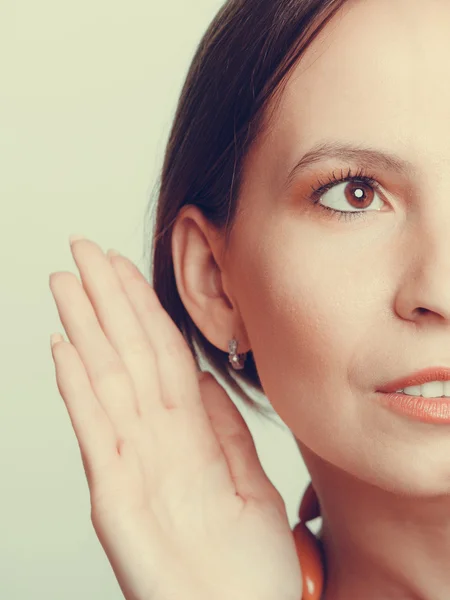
(139, 349)
(175, 348)
(107, 371)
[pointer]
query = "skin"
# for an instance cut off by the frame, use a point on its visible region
(334, 309)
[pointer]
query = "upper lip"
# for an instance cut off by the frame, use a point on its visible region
(417, 378)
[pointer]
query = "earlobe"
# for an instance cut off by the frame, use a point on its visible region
(196, 251)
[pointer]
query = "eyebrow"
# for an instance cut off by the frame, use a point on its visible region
(364, 156)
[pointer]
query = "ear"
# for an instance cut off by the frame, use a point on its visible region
(203, 281)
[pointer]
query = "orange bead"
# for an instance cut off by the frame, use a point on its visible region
(308, 548)
(310, 559)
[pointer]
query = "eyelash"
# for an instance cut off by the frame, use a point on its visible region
(359, 177)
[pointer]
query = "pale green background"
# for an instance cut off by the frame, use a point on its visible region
(87, 96)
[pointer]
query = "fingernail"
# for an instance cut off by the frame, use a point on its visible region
(55, 338)
(112, 252)
(74, 237)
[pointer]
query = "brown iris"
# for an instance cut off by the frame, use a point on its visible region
(360, 194)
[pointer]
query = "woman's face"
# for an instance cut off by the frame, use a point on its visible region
(332, 306)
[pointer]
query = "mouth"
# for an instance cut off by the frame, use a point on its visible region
(435, 410)
(432, 382)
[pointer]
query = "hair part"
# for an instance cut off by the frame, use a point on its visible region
(231, 92)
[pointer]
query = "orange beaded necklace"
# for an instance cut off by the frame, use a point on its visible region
(309, 551)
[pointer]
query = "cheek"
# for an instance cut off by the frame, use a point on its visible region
(308, 332)
(296, 339)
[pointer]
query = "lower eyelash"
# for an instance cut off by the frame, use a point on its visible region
(359, 177)
(346, 215)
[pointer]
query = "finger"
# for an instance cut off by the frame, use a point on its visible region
(96, 437)
(107, 375)
(119, 323)
(176, 365)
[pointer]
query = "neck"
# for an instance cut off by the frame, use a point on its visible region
(378, 544)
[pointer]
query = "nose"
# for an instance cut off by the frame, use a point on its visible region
(424, 290)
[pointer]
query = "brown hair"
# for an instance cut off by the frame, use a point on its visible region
(239, 67)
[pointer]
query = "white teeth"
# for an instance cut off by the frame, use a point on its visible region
(433, 389)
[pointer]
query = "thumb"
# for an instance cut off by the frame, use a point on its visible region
(236, 441)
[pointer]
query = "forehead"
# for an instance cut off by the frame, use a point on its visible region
(370, 48)
(379, 72)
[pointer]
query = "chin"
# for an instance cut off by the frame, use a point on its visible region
(420, 468)
(408, 474)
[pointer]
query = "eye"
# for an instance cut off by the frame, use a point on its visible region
(348, 196)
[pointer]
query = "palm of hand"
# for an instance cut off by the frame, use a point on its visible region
(179, 499)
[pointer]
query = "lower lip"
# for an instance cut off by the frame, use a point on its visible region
(427, 410)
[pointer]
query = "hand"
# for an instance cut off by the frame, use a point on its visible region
(179, 500)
